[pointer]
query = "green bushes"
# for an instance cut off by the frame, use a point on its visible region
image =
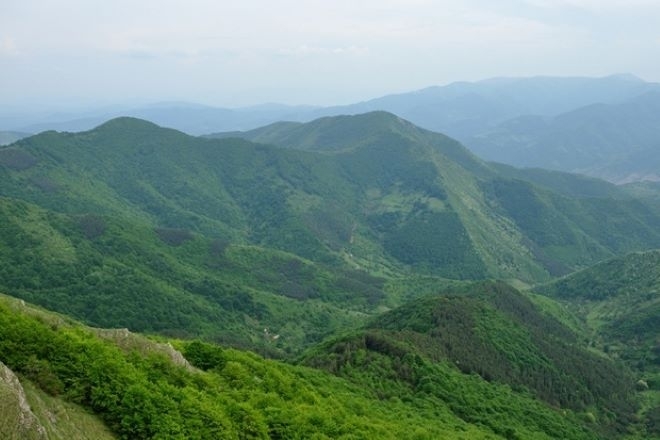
(204, 356)
(145, 396)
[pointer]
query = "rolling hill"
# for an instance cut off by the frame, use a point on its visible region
(618, 304)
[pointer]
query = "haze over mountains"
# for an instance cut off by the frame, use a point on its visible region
(618, 142)
(604, 127)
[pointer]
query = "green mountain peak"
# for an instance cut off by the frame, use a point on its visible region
(126, 123)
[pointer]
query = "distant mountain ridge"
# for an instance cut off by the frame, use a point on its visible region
(459, 109)
(191, 118)
(619, 142)
(9, 137)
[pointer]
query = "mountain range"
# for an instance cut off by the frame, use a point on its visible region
(459, 109)
(358, 250)
(603, 127)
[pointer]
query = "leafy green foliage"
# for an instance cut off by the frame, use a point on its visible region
(619, 301)
(491, 330)
(143, 395)
(204, 356)
(17, 159)
(393, 370)
(565, 233)
(174, 237)
(437, 241)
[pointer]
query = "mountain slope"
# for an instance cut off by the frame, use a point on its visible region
(27, 413)
(139, 168)
(620, 301)
(225, 237)
(619, 305)
(141, 393)
(257, 194)
(499, 187)
(491, 330)
(110, 272)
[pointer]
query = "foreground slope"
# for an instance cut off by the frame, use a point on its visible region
(141, 390)
(27, 412)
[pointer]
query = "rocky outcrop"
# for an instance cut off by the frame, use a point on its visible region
(129, 341)
(17, 421)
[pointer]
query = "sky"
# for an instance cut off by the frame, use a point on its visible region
(68, 53)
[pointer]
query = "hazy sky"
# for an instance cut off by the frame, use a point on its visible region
(242, 52)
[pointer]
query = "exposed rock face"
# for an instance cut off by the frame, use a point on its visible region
(17, 421)
(131, 341)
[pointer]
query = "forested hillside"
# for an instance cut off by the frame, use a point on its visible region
(348, 244)
(618, 302)
(213, 231)
(142, 389)
(494, 331)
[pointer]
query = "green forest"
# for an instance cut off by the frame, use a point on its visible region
(354, 277)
